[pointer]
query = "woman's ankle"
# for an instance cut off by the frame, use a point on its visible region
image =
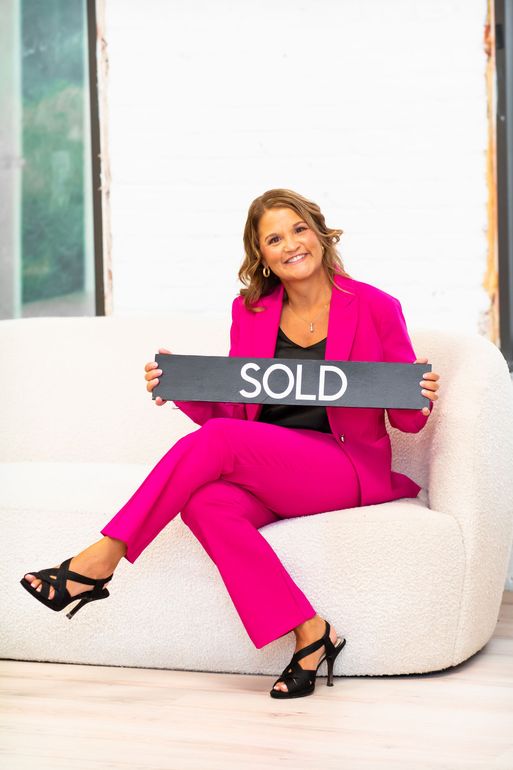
(305, 630)
(117, 547)
(115, 550)
(105, 554)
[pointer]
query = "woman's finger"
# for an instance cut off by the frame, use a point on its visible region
(153, 364)
(153, 375)
(429, 385)
(152, 372)
(149, 387)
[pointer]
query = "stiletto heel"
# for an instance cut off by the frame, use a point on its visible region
(330, 661)
(84, 601)
(301, 681)
(57, 578)
(329, 680)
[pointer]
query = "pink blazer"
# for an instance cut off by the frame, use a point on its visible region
(365, 324)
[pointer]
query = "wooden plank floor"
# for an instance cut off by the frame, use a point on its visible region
(79, 717)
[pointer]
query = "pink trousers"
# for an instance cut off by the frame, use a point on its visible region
(227, 479)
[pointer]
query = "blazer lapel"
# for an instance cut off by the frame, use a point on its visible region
(261, 330)
(342, 321)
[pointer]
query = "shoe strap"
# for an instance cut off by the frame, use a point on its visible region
(70, 575)
(295, 677)
(63, 573)
(45, 589)
(324, 640)
(50, 577)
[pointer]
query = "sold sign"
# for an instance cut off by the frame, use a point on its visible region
(290, 381)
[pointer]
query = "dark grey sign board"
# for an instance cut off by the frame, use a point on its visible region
(290, 381)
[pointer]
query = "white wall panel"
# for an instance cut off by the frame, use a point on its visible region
(376, 110)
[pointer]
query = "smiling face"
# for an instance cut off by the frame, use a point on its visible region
(288, 245)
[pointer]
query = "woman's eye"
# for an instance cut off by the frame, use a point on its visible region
(273, 239)
(300, 227)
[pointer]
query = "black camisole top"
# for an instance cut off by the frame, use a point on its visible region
(297, 415)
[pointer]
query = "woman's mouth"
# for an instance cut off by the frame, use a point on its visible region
(295, 259)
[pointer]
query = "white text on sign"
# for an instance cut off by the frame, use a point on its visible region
(294, 379)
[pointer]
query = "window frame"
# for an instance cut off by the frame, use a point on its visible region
(95, 158)
(503, 11)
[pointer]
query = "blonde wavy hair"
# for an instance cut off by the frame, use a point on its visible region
(250, 272)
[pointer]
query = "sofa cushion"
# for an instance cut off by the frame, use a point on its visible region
(174, 592)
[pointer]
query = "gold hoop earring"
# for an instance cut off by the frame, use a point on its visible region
(268, 273)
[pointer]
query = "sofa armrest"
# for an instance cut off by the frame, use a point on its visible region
(471, 469)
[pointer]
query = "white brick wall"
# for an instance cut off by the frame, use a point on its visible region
(376, 110)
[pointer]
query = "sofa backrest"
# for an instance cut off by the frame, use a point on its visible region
(73, 389)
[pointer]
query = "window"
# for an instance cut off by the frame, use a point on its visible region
(47, 233)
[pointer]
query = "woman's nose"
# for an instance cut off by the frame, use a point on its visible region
(290, 243)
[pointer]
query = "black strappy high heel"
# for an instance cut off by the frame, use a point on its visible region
(57, 578)
(301, 681)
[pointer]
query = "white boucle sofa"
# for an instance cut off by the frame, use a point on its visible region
(414, 585)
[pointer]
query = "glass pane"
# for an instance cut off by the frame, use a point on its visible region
(52, 264)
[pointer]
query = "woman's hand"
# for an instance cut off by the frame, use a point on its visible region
(152, 381)
(430, 385)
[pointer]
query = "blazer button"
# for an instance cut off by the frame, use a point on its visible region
(342, 437)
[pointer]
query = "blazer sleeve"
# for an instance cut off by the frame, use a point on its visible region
(201, 411)
(397, 348)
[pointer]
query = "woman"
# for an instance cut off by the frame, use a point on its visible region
(248, 464)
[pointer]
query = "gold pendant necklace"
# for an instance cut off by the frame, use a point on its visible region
(304, 319)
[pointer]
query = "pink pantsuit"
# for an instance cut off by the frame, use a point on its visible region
(234, 474)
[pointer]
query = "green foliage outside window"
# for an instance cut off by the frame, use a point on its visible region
(52, 238)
